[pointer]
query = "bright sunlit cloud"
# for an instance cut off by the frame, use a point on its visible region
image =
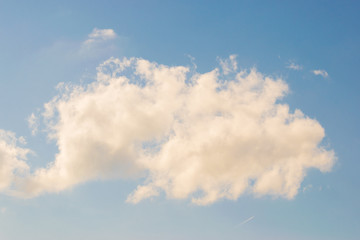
(198, 136)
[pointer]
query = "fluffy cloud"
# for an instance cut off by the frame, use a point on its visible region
(199, 136)
(321, 73)
(12, 159)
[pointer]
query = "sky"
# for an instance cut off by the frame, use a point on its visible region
(179, 120)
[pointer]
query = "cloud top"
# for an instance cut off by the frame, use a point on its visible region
(203, 137)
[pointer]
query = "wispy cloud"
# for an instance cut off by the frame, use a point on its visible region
(98, 43)
(320, 72)
(246, 221)
(33, 124)
(98, 35)
(192, 60)
(292, 65)
(71, 56)
(228, 65)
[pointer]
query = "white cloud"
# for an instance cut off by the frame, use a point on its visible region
(196, 136)
(33, 124)
(292, 65)
(321, 73)
(12, 159)
(99, 35)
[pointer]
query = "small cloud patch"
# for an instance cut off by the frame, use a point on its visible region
(100, 35)
(292, 65)
(320, 72)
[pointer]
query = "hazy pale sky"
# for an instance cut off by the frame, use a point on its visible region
(179, 120)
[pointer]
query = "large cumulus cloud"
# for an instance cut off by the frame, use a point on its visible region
(190, 135)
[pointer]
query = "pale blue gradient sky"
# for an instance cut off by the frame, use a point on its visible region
(37, 44)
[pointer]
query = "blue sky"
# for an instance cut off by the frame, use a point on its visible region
(44, 43)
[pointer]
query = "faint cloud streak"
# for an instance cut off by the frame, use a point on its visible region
(246, 221)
